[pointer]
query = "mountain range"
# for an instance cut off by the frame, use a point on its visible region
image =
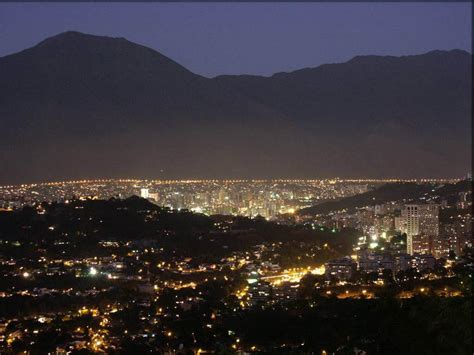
(84, 106)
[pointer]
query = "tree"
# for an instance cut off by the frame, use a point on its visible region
(387, 276)
(308, 284)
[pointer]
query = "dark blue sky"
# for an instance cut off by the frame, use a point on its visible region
(212, 39)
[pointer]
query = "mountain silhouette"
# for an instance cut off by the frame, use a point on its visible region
(84, 106)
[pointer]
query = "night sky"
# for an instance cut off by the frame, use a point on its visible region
(212, 39)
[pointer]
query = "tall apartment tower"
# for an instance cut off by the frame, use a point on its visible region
(421, 224)
(144, 193)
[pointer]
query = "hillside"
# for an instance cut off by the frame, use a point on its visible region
(399, 192)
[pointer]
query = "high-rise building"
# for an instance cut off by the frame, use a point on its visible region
(222, 195)
(455, 236)
(440, 246)
(399, 222)
(153, 196)
(422, 243)
(144, 193)
(422, 221)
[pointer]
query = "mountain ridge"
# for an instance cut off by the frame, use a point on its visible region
(118, 106)
(77, 34)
